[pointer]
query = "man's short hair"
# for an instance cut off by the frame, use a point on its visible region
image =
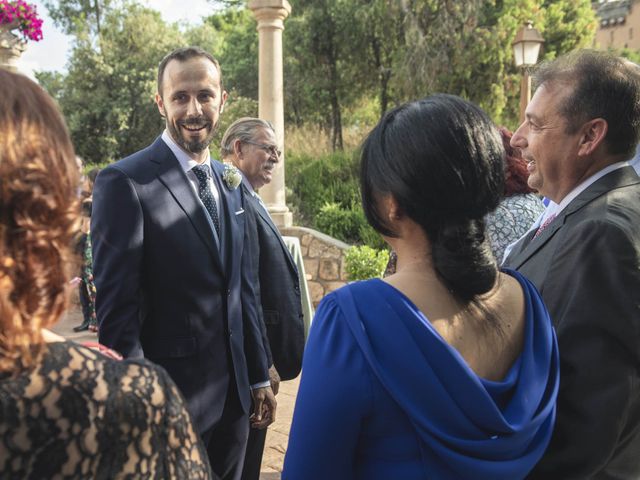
(182, 55)
(243, 129)
(604, 86)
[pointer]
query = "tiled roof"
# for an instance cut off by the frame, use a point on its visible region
(613, 12)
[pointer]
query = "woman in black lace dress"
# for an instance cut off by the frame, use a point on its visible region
(67, 411)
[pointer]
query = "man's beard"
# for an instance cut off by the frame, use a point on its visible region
(193, 146)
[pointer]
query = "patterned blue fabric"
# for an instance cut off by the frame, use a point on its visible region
(383, 396)
(513, 218)
(204, 192)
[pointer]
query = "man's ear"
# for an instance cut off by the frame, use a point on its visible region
(160, 104)
(223, 100)
(237, 148)
(593, 135)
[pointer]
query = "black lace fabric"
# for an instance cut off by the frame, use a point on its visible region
(80, 414)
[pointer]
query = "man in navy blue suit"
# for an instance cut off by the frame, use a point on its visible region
(251, 145)
(172, 267)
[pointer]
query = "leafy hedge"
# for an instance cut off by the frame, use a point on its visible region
(324, 194)
(364, 262)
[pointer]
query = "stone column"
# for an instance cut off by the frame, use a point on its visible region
(270, 15)
(525, 92)
(11, 47)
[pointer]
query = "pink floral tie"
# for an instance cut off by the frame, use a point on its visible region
(545, 224)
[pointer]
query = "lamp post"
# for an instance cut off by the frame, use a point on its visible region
(526, 48)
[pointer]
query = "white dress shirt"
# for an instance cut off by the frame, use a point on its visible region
(187, 163)
(635, 161)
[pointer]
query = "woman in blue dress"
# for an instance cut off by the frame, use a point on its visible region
(447, 369)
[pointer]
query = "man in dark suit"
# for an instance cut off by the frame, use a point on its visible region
(172, 267)
(250, 144)
(581, 127)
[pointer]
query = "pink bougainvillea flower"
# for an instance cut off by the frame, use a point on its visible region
(23, 17)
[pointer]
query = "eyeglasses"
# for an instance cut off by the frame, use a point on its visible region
(270, 149)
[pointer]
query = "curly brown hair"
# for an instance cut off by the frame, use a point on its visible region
(39, 212)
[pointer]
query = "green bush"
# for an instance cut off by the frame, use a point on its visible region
(364, 262)
(315, 181)
(338, 222)
(368, 236)
(323, 193)
(347, 224)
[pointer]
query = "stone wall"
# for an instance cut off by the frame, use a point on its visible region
(324, 261)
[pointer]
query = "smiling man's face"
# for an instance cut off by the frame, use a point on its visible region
(552, 154)
(191, 102)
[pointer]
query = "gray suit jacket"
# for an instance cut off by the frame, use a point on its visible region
(279, 290)
(586, 265)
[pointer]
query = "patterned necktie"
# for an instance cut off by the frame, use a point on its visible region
(202, 173)
(545, 224)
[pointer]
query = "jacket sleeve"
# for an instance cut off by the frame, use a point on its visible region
(593, 293)
(256, 346)
(117, 236)
(333, 402)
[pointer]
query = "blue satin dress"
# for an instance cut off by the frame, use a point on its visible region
(383, 396)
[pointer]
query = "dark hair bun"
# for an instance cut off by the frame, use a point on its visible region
(462, 257)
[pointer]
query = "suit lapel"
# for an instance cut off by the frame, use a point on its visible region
(267, 219)
(232, 213)
(175, 180)
(529, 245)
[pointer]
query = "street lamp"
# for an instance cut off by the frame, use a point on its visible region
(526, 48)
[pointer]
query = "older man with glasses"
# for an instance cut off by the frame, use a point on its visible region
(250, 145)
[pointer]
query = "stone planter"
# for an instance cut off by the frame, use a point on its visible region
(11, 46)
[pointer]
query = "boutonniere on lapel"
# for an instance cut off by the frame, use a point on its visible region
(231, 176)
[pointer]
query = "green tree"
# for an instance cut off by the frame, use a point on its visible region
(324, 43)
(305, 99)
(381, 28)
(73, 16)
(324, 28)
(464, 48)
(632, 55)
(567, 26)
(236, 48)
(342, 57)
(108, 93)
(53, 82)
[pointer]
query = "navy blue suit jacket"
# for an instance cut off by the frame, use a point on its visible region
(278, 291)
(166, 290)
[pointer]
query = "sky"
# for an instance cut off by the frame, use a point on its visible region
(52, 51)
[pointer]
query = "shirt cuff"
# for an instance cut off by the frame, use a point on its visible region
(261, 385)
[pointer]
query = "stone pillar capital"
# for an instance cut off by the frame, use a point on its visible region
(11, 47)
(270, 13)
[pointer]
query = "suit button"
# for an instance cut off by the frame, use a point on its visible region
(230, 333)
(228, 293)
